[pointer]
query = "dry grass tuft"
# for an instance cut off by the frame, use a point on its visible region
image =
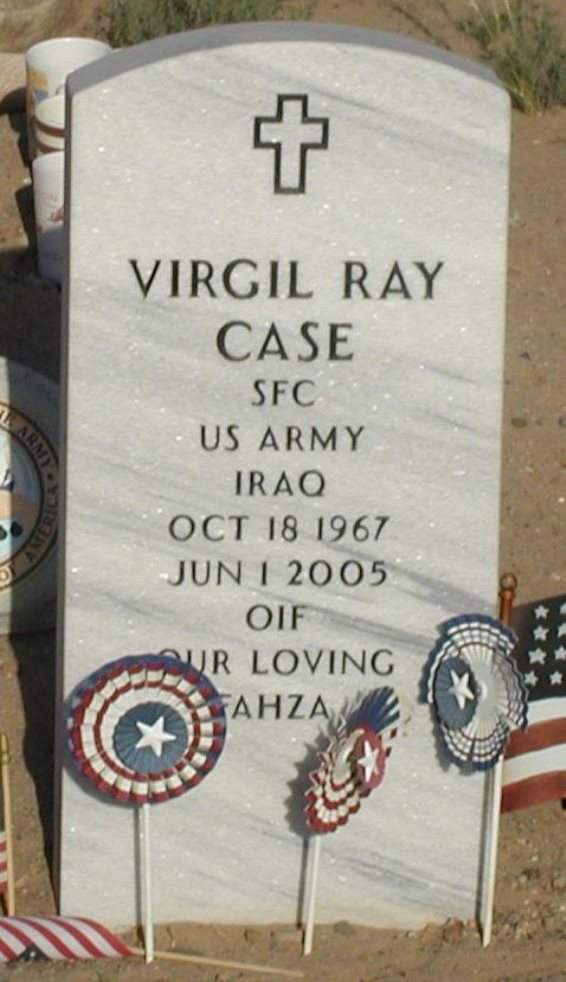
(126, 22)
(526, 49)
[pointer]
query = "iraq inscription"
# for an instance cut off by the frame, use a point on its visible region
(285, 323)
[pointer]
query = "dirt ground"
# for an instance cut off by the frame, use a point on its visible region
(529, 943)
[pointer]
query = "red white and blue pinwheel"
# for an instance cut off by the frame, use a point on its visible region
(475, 689)
(143, 729)
(354, 763)
(146, 728)
(351, 767)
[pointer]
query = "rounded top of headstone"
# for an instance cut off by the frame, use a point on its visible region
(265, 32)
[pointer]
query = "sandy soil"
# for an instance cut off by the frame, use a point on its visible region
(529, 941)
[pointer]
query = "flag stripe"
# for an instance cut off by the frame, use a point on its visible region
(101, 939)
(541, 709)
(534, 791)
(539, 761)
(28, 933)
(58, 938)
(6, 951)
(65, 933)
(537, 737)
(79, 937)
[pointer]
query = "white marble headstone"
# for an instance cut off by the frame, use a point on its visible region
(284, 377)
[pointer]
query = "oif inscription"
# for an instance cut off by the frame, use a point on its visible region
(283, 369)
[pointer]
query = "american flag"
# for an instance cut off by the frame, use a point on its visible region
(534, 770)
(32, 939)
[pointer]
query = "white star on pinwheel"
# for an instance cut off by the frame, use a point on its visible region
(531, 678)
(369, 761)
(541, 611)
(562, 608)
(460, 689)
(540, 633)
(537, 655)
(556, 678)
(560, 653)
(561, 630)
(153, 736)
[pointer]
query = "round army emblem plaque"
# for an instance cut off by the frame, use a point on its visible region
(28, 495)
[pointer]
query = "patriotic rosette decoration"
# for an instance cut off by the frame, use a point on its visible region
(354, 763)
(351, 767)
(143, 729)
(475, 689)
(146, 728)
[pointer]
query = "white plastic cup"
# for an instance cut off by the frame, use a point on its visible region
(49, 125)
(47, 66)
(48, 202)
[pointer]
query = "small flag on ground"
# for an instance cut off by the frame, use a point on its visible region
(32, 939)
(534, 769)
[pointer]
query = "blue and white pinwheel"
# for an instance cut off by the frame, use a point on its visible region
(476, 689)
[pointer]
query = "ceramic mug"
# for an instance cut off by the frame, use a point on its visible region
(47, 65)
(49, 125)
(48, 202)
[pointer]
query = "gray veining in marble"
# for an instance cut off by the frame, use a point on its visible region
(162, 167)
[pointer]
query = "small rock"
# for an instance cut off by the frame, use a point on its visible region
(289, 940)
(519, 422)
(430, 932)
(453, 929)
(562, 421)
(527, 876)
(252, 935)
(344, 928)
(512, 920)
(558, 882)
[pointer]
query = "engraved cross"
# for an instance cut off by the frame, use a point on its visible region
(291, 133)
